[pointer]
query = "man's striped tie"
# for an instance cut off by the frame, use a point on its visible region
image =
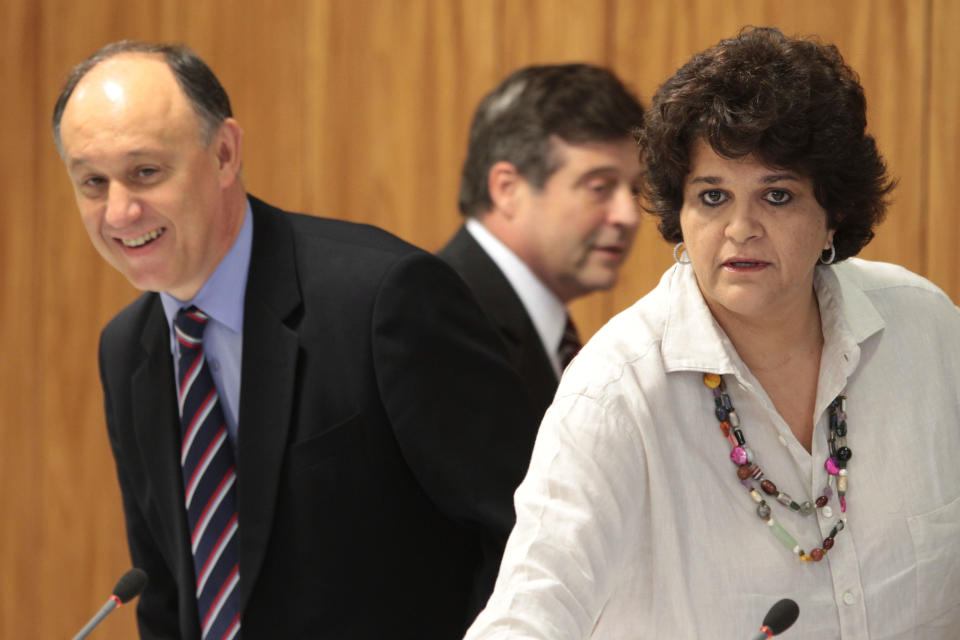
(569, 344)
(210, 483)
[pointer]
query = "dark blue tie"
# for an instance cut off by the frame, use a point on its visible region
(210, 483)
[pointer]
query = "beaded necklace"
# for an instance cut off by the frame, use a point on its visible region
(749, 472)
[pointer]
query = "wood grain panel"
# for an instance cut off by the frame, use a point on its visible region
(20, 440)
(943, 228)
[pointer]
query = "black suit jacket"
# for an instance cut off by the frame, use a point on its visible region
(502, 305)
(381, 437)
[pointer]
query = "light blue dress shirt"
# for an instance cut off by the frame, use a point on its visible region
(221, 297)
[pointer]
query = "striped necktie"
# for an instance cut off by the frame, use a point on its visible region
(569, 344)
(209, 480)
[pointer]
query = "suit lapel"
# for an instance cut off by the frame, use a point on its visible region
(267, 384)
(157, 426)
(500, 302)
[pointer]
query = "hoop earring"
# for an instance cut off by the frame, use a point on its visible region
(677, 256)
(829, 259)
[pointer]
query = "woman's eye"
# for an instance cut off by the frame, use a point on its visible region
(713, 197)
(778, 196)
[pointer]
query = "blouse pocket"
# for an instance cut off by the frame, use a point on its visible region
(936, 542)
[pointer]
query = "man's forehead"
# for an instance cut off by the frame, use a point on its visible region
(596, 155)
(130, 98)
(126, 83)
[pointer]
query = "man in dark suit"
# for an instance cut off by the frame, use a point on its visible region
(548, 192)
(315, 430)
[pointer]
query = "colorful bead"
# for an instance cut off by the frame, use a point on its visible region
(733, 418)
(712, 380)
(831, 466)
(763, 510)
(739, 436)
(756, 496)
(721, 414)
(744, 471)
(822, 501)
(768, 487)
(817, 555)
(783, 536)
(725, 428)
(784, 499)
(738, 455)
(844, 454)
(806, 508)
(828, 543)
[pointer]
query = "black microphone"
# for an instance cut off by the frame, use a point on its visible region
(781, 615)
(128, 587)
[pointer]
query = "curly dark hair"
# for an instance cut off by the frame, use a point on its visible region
(794, 104)
(577, 102)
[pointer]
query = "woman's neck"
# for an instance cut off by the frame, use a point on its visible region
(772, 341)
(783, 352)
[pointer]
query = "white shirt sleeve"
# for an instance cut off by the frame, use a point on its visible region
(576, 507)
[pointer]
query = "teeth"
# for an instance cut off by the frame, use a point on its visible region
(144, 239)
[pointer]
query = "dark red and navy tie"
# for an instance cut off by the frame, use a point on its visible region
(569, 344)
(210, 483)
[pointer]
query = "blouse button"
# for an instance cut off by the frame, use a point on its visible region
(849, 598)
(782, 440)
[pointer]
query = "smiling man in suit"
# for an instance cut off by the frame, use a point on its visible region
(548, 192)
(295, 458)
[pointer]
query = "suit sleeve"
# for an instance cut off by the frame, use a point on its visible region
(459, 411)
(157, 614)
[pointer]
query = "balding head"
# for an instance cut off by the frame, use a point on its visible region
(129, 96)
(198, 83)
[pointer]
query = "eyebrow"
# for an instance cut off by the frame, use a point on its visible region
(135, 153)
(603, 171)
(767, 179)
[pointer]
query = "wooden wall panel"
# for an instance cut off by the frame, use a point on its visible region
(358, 109)
(20, 451)
(942, 232)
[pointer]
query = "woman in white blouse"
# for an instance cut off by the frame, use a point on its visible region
(777, 418)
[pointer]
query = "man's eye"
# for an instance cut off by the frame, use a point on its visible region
(93, 181)
(778, 196)
(601, 188)
(146, 172)
(713, 197)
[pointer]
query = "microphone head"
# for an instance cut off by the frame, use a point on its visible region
(131, 584)
(781, 616)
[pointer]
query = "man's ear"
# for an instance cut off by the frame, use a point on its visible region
(505, 185)
(228, 146)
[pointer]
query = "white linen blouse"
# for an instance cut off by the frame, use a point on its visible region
(632, 523)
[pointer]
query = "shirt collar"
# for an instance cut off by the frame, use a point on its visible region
(546, 311)
(221, 296)
(693, 340)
